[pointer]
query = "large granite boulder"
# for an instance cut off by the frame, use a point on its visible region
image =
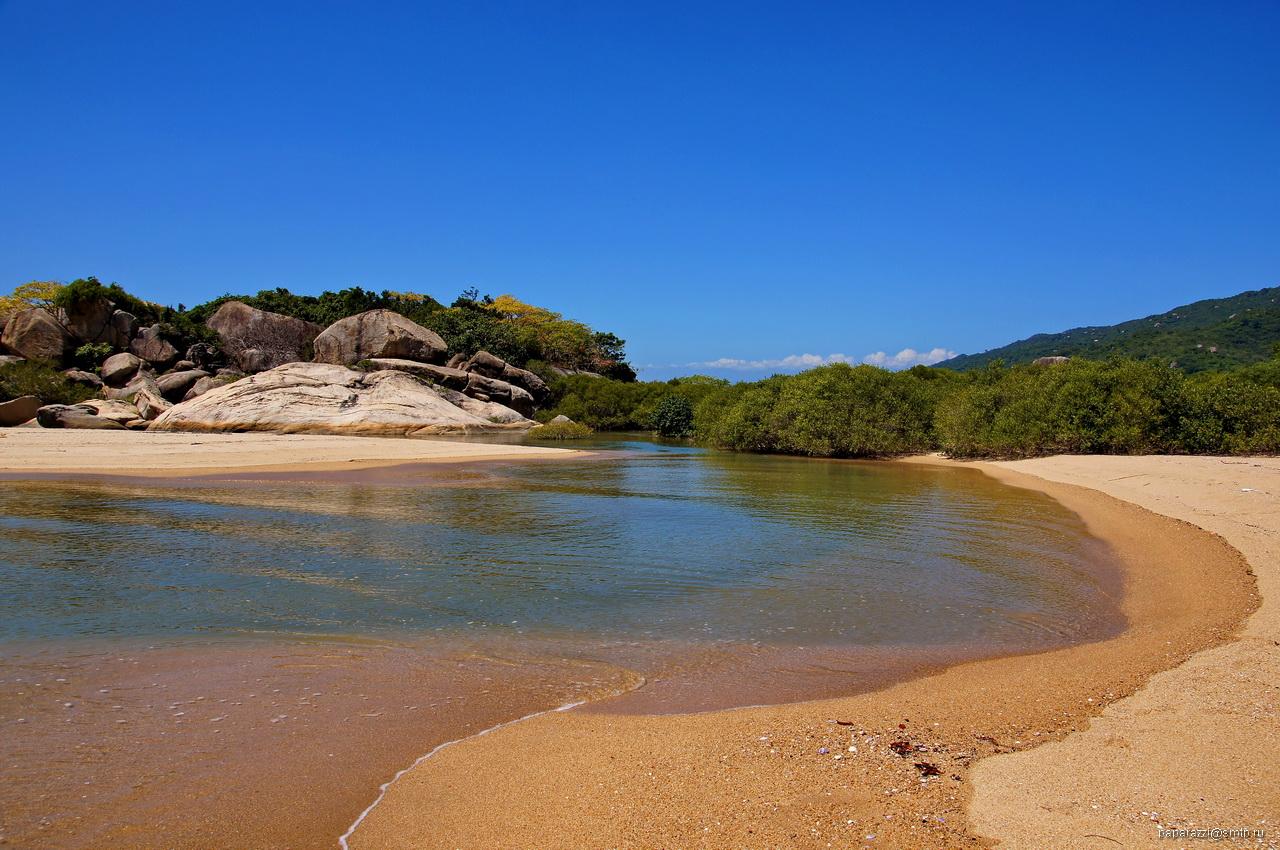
(151, 346)
(75, 416)
(492, 366)
(98, 320)
(19, 410)
(1053, 360)
(321, 398)
(36, 335)
(376, 334)
(257, 340)
(118, 369)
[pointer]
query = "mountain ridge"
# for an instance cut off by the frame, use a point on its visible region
(1213, 333)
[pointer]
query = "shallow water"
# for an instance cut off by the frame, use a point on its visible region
(654, 543)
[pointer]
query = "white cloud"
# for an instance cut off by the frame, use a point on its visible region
(791, 361)
(904, 359)
(908, 357)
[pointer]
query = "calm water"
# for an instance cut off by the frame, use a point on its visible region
(654, 543)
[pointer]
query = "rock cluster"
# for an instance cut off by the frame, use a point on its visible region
(373, 373)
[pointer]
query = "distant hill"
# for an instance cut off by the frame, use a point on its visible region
(1216, 333)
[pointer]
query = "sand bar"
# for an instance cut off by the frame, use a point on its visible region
(49, 450)
(856, 771)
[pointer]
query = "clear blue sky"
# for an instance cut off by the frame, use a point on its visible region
(741, 180)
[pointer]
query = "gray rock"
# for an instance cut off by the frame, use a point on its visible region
(457, 361)
(11, 359)
(492, 389)
(18, 410)
(36, 335)
(98, 320)
(378, 334)
(174, 385)
(124, 327)
(182, 366)
(150, 403)
(493, 366)
(152, 347)
(455, 379)
(1049, 361)
(78, 416)
(203, 385)
(256, 340)
(117, 411)
(202, 355)
(86, 379)
(561, 419)
(119, 368)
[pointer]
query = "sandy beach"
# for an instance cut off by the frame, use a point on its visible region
(1071, 748)
(1171, 723)
(165, 454)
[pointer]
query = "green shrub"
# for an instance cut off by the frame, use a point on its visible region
(673, 417)
(42, 381)
(90, 355)
(560, 431)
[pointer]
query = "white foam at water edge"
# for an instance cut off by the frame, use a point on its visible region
(382, 792)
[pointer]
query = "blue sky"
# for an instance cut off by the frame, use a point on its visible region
(732, 184)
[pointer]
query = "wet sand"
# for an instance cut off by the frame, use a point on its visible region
(270, 744)
(165, 454)
(893, 768)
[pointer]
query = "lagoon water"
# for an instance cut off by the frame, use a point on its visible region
(157, 638)
(642, 542)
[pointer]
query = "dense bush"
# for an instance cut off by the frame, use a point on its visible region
(673, 417)
(1116, 406)
(42, 381)
(609, 405)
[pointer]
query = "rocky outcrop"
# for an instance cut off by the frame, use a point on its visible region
(320, 398)
(491, 366)
(36, 335)
(75, 416)
(257, 340)
(1049, 361)
(151, 346)
(119, 368)
(18, 410)
(378, 334)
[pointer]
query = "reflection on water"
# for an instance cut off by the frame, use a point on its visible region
(655, 543)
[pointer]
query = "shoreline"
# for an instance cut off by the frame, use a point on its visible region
(961, 715)
(810, 773)
(47, 452)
